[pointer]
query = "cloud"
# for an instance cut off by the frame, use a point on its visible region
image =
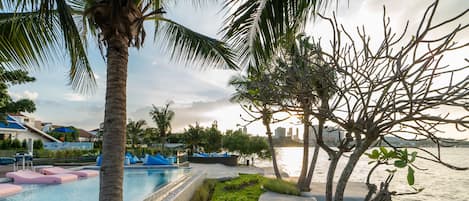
(32, 95)
(74, 97)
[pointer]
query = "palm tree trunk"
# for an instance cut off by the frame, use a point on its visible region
(112, 168)
(304, 167)
(163, 140)
(272, 152)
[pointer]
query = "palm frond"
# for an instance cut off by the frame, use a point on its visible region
(256, 25)
(195, 48)
(81, 75)
(26, 40)
(34, 38)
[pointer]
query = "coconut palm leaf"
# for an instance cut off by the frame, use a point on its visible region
(256, 25)
(33, 38)
(192, 47)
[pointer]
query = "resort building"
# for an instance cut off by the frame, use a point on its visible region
(19, 127)
(86, 136)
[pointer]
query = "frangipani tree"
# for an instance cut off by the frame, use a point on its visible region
(396, 89)
(33, 32)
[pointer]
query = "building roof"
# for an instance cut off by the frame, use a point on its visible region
(17, 126)
(37, 131)
(11, 124)
(85, 134)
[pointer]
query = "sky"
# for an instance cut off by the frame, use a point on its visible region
(198, 95)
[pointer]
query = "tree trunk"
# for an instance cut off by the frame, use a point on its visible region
(163, 140)
(272, 152)
(304, 167)
(352, 162)
(112, 167)
(330, 176)
(312, 166)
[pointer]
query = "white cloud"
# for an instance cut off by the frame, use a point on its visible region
(74, 97)
(32, 95)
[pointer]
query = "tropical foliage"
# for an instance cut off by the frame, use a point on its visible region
(135, 132)
(162, 116)
(7, 104)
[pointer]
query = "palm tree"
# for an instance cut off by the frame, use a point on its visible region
(193, 137)
(34, 31)
(162, 118)
(258, 91)
(135, 132)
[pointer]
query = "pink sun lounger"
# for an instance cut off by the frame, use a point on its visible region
(9, 189)
(30, 177)
(79, 173)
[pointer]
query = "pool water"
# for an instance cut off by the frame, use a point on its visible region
(138, 184)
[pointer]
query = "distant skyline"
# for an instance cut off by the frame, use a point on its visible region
(198, 96)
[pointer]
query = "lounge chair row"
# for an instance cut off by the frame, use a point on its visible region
(53, 175)
(49, 175)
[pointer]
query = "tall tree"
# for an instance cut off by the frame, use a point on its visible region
(135, 131)
(257, 96)
(193, 137)
(162, 116)
(36, 30)
(7, 104)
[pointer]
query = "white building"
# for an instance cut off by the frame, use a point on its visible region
(17, 127)
(280, 132)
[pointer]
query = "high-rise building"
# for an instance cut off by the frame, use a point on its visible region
(290, 133)
(280, 132)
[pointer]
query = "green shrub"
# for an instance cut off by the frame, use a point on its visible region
(280, 186)
(16, 143)
(242, 182)
(204, 192)
(37, 144)
(24, 144)
(250, 192)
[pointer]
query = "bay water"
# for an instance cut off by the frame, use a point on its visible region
(440, 183)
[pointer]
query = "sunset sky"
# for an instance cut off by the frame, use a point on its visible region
(198, 96)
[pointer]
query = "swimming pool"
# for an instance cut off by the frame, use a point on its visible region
(138, 184)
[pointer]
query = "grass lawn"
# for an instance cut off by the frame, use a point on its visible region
(247, 187)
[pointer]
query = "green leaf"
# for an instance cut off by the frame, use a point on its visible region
(383, 150)
(413, 156)
(410, 176)
(400, 163)
(374, 154)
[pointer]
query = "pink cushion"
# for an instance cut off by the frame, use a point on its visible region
(9, 189)
(58, 170)
(30, 177)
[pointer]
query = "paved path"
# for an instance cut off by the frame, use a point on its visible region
(215, 171)
(271, 196)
